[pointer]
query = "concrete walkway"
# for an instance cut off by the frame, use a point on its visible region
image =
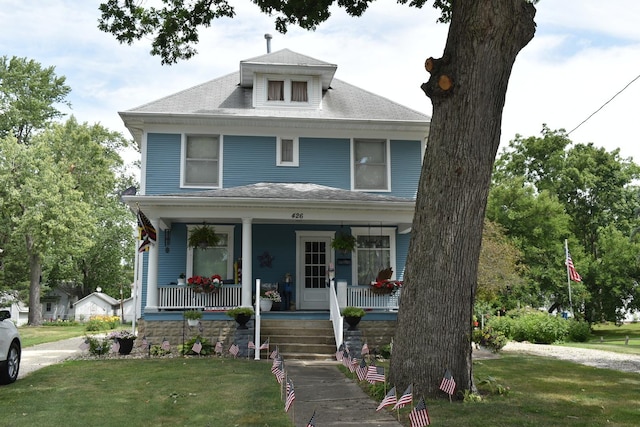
(41, 355)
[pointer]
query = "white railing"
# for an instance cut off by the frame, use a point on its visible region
(181, 297)
(334, 314)
(361, 296)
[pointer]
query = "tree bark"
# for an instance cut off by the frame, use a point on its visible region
(35, 272)
(434, 320)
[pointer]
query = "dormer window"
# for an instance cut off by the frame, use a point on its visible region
(294, 91)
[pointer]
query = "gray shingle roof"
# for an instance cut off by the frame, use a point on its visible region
(293, 191)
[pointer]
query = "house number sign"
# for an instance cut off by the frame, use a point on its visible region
(297, 215)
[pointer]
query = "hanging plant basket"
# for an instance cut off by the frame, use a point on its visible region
(344, 242)
(203, 237)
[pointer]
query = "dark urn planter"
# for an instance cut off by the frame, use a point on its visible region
(242, 320)
(352, 322)
(126, 345)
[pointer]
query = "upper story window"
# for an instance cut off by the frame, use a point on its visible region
(287, 151)
(371, 164)
(201, 161)
(287, 90)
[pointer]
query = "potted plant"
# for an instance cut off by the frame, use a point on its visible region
(241, 315)
(344, 242)
(203, 237)
(352, 315)
(193, 317)
(125, 340)
(268, 298)
(182, 279)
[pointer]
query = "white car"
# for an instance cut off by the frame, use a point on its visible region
(10, 349)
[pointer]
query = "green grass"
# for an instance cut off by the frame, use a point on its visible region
(610, 337)
(147, 392)
(32, 335)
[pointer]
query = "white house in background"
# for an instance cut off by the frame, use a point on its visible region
(19, 313)
(96, 304)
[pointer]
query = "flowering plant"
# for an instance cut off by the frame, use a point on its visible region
(205, 284)
(383, 283)
(273, 296)
(122, 335)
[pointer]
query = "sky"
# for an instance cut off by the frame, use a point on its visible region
(583, 54)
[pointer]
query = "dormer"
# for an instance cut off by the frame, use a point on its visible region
(286, 79)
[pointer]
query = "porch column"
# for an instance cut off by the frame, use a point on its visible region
(152, 275)
(247, 273)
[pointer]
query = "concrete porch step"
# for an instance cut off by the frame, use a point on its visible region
(300, 339)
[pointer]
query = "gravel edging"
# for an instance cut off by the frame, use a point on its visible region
(584, 356)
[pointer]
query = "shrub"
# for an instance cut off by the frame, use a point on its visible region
(540, 328)
(98, 345)
(490, 338)
(579, 331)
(187, 347)
(502, 324)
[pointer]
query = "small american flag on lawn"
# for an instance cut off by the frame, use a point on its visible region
(375, 374)
(265, 345)
(312, 420)
(365, 349)
(84, 345)
(218, 347)
(448, 384)
(353, 365)
(115, 347)
(278, 370)
(251, 345)
(406, 397)
(144, 343)
(419, 416)
(274, 354)
(291, 395)
(389, 399)
(234, 349)
(361, 370)
(197, 347)
(165, 345)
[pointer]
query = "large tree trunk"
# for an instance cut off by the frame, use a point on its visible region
(35, 272)
(467, 88)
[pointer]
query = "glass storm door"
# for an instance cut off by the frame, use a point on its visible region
(315, 252)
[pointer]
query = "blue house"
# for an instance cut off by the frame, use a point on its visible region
(279, 158)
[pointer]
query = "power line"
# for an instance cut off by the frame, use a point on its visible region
(603, 105)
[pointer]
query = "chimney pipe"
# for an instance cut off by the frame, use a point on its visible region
(268, 37)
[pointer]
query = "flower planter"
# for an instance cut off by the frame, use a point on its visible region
(242, 320)
(352, 322)
(265, 304)
(193, 322)
(126, 345)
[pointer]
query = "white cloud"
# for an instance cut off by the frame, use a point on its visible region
(583, 53)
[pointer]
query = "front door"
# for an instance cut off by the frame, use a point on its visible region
(314, 256)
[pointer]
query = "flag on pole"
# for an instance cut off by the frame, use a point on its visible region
(312, 420)
(448, 384)
(389, 399)
(234, 349)
(274, 354)
(361, 370)
(353, 365)
(278, 370)
(165, 345)
(148, 233)
(407, 397)
(365, 349)
(265, 345)
(375, 374)
(291, 396)
(197, 347)
(573, 274)
(218, 347)
(251, 345)
(419, 416)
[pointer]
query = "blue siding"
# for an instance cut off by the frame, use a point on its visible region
(406, 165)
(402, 250)
(323, 161)
(163, 163)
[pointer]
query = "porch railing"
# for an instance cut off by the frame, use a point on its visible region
(361, 296)
(183, 297)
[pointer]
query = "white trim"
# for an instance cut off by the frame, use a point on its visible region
(220, 229)
(387, 171)
(296, 152)
(183, 158)
(300, 235)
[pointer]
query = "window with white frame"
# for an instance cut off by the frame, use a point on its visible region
(371, 165)
(375, 251)
(216, 259)
(287, 151)
(287, 90)
(202, 161)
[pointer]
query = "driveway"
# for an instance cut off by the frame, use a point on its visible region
(41, 355)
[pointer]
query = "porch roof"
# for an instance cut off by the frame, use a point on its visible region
(274, 202)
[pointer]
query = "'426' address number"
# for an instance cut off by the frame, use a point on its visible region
(297, 215)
